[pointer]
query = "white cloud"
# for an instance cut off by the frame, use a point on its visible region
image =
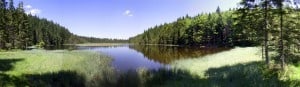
(28, 7)
(33, 11)
(128, 13)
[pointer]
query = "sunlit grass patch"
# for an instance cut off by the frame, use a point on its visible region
(41, 61)
(93, 67)
(294, 72)
(234, 56)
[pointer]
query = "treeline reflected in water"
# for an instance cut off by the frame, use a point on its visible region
(167, 54)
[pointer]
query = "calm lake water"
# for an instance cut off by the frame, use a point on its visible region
(132, 57)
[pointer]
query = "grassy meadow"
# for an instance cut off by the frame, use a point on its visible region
(53, 68)
(232, 57)
(238, 67)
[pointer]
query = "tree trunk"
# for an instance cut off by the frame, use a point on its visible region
(266, 34)
(298, 48)
(262, 51)
(281, 38)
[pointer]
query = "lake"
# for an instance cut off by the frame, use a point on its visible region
(132, 57)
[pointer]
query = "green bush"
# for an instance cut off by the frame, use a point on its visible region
(41, 44)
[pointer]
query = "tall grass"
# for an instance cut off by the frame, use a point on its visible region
(93, 67)
(238, 67)
(234, 56)
(41, 61)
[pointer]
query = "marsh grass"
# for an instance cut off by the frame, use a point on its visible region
(250, 74)
(41, 61)
(234, 56)
(239, 67)
(55, 68)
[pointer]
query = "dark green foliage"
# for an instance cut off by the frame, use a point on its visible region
(267, 23)
(7, 64)
(48, 32)
(58, 79)
(241, 75)
(19, 30)
(276, 25)
(213, 29)
(101, 40)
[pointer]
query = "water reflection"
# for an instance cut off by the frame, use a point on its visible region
(125, 59)
(167, 54)
(132, 57)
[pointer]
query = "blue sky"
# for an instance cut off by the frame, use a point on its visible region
(119, 18)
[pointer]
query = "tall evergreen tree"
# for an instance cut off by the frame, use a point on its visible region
(2, 23)
(19, 30)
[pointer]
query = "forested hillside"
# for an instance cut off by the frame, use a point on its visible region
(272, 24)
(235, 27)
(84, 39)
(19, 30)
(210, 29)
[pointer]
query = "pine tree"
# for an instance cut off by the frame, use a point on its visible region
(23, 37)
(10, 26)
(2, 23)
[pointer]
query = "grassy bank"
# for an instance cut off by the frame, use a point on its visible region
(51, 68)
(238, 55)
(239, 67)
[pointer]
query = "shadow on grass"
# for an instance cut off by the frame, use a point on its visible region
(77, 78)
(7, 64)
(160, 78)
(244, 75)
(58, 79)
(240, 75)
